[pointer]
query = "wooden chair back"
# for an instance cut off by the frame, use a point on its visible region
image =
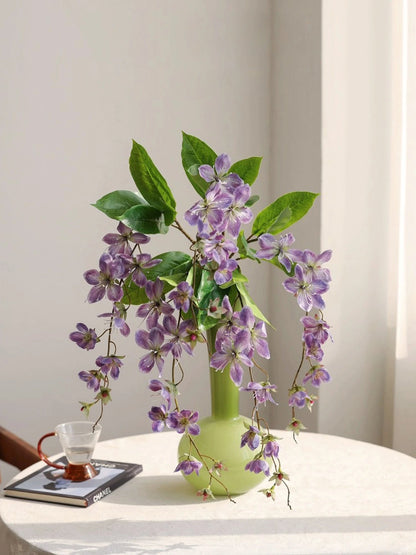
(16, 451)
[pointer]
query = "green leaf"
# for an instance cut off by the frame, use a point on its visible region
(174, 266)
(248, 301)
(276, 263)
(282, 221)
(195, 153)
(145, 219)
(208, 292)
(133, 294)
(173, 263)
(173, 280)
(283, 212)
(244, 250)
(151, 184)
(237, 277)
(253, 199)
(116, 203)
(248, 169)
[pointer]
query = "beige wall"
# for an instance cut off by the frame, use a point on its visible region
(79, 81)
(295, 166)
(357, 148)
(303, 86)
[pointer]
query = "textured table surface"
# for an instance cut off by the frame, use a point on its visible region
(347, 497)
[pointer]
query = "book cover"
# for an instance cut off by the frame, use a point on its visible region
(47, 483)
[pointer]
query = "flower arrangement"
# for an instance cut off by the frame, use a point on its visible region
(183, 298)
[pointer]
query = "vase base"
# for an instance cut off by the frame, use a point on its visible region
(220, 440)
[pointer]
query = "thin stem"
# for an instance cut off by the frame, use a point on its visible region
(255, 402)
(100, 415)
(288, 495)
(182, 374)
(300, 366)
(178, 226)
(261, 370)
(212, 477)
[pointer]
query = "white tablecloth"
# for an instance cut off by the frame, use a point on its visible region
(347, 497)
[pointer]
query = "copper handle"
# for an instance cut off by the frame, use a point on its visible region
(42, 454)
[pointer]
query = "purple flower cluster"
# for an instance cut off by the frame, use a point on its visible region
(115, 265)
(256, 439)
(166, 332)
(238, 338)
(171, 310)
(106, 365)
(181, 421)
(219, 217)
(310, 279)
(314, 336)
(309, 282)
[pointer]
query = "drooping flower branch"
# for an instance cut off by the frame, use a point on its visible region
(182, 297)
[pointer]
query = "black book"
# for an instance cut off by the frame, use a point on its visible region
(47, 483)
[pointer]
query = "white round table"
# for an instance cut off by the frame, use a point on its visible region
(347, 497)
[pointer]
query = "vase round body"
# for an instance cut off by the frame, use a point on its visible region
(220, 438)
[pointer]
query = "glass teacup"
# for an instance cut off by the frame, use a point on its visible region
(78, 440)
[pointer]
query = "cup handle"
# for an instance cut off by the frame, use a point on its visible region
(42, 454)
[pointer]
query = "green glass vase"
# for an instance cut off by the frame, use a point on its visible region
(220, 438)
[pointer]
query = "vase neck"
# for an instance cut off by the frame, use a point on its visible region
(225, 395)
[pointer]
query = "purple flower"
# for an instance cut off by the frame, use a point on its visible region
(110, 365)
(184, 421)
(157, 306)
(91, 379)
(307, 291)
(187, 467)
(105, 279)
(270, 247)
(313, 348)
(152, 341)
(251, 438)
(158, 417)
(231, 182)
(316, 328)
(261, 391)
(118, 315)
(257, 331)
(210, 209)
(233, 351)
(140, 263)
(271, 449)
(159, 387)
(237, 212)
(316, 375)
(311, 264)
(85, 337)
(298, 398)
(257, 466)
(226, 314)
(181, 335)
(216, 172)
(181, 296)
(216, 247)
(225, 270)
(119, 242)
